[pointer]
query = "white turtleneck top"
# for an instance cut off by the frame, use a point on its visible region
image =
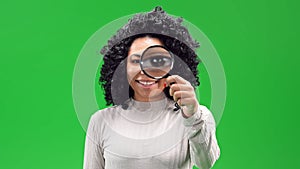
(150, 135)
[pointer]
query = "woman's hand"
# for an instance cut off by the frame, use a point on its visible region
(183, 93)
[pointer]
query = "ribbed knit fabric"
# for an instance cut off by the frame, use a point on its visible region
(150, 135)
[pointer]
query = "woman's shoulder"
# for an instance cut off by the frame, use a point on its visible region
(106, 113)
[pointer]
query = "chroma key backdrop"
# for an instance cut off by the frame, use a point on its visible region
(254, 44)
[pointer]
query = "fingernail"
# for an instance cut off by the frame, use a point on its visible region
(165, 84)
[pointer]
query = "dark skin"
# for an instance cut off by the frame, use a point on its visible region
(181, 90)
(183, 93)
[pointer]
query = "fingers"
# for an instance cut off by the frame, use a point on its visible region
(182, 95)
(186, 101)
(180, 87)
(176, 79)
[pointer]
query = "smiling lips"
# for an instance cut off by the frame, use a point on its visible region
(146, 83)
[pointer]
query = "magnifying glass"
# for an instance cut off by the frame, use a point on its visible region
(156, 62)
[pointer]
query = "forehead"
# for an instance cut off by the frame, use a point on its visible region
(140, 44)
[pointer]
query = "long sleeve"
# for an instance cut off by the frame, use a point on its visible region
(93, 153)
(204, 149)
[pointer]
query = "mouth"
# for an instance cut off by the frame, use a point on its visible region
(146, 83)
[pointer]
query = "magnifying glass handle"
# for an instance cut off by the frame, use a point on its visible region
(177, 107)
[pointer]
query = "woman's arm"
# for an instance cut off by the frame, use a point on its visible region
(204, 149)
(93, 153)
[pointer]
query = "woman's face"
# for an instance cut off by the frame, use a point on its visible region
(145, 88)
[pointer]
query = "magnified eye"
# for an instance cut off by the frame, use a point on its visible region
(157, 61)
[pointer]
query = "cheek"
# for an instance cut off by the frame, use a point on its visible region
(132, 71)
(162, 83)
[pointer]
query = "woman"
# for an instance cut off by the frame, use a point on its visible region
(144, 129)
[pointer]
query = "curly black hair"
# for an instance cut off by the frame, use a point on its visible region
(157, 24)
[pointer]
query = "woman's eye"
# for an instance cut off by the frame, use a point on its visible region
(157, 61)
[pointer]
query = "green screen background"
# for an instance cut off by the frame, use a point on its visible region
(257, 42)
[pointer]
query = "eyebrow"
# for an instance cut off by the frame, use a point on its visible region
(135, 54)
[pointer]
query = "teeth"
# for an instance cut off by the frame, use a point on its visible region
(146, 83)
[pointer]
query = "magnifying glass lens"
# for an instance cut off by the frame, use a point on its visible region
(156, 62)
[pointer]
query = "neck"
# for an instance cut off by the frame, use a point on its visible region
(149, 99)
